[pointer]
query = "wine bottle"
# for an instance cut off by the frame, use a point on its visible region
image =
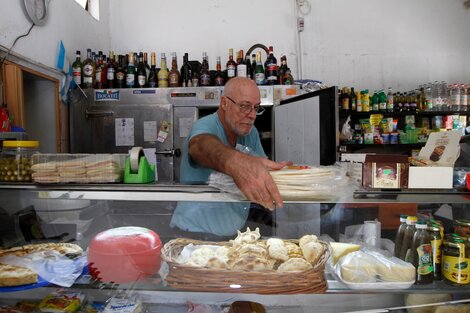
(152, 80)
(130, 71)
(141, 72)
(77, 68)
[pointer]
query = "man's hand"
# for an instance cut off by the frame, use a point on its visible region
(251, 175)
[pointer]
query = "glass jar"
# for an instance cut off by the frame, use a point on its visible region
(462, 228)
(455, 259)
(15, 160)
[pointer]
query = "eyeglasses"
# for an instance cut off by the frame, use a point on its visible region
(247, 108)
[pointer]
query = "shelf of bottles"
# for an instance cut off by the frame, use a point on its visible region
(132, 70)
(402, 118)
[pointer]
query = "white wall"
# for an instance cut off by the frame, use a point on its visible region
(66, 20)
(205, 25)
(365, 43)
(381, 43)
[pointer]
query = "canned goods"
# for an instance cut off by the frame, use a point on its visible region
(455, 261)
(15, 160)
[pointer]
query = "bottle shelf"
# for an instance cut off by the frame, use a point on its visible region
(402, 113)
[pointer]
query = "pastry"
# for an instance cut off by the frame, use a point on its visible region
(312, 251)
(13, 275)
(307, 238)
(294, 265)
(248, 236)
(293, 250)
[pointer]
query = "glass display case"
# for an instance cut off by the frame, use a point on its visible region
(77, 213)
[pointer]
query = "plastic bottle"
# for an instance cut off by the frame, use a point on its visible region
(408, 237)
(365, 100)
(428, 98)
(436, 96)
(390, 100)
(421, 254)
(375, 102)
(463, 97)
(445, 96)
(454, 98)
(382, 101)
(399, 235)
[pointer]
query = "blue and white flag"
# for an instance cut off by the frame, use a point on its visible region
(63, 65)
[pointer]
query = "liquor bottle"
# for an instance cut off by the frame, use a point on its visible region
(141, 73)
(120, 73)
(287, 78)
(282, 69)
(130, 72)
(104, 72)
(111, 71)
(408, 238)
(98, 70)
(231, 65)
(271, 68)
(344, 99)
(253, 64)
(205, 75)
(219, 76)
(152, 80)
(352, 100)
(77, 69)
(147, 67)
(249, 69)
(259, 71)
(241, 65)
(136, 63)
(163, 73)
(174, 76)
(186, 72)
(88, 71)
(194, 78)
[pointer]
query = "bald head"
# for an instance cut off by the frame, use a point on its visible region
(241, 86)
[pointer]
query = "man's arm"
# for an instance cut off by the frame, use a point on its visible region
(250, 173)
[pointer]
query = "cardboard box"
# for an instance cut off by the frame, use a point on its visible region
(430, 177)
(385, 171)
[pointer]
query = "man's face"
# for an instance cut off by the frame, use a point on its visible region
(240, 113)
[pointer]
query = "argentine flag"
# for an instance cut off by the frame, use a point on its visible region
(63, 65)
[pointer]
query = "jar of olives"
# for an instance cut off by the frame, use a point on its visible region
(15, 160)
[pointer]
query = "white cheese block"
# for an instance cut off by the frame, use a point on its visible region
(340, 249)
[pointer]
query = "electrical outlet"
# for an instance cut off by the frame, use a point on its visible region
(300, 24)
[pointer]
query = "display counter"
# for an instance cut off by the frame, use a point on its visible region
(76, 213)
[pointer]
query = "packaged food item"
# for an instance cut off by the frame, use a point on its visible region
(123, 305)
(62, 301)
(15, 160)
(366, 269)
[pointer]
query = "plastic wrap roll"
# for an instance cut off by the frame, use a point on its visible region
(371, 234)
(134, 157)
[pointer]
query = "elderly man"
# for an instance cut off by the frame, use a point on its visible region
(213, 144)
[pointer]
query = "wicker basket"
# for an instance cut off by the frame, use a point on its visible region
(192, 278)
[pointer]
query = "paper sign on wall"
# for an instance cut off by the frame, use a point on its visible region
(124, 131)
(150, 131)
(185, 126)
